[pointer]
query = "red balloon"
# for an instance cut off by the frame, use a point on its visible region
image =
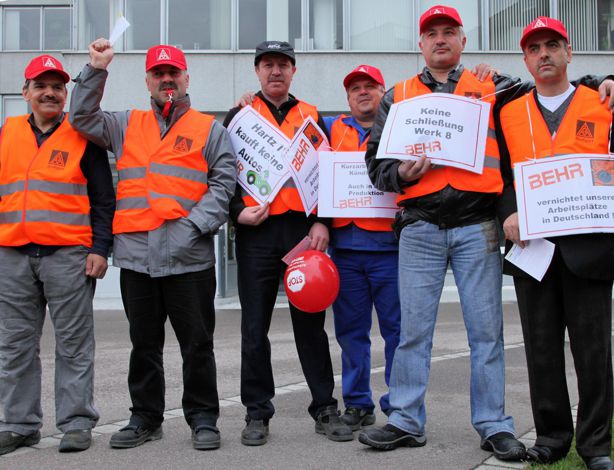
(312, 281)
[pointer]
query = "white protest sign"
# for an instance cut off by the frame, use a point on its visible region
(120, 27)
(565, 195)
(451, 130)
(303, 161)
(259, 148)
(347, 191)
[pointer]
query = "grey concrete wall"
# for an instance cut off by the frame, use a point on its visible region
(218, 79)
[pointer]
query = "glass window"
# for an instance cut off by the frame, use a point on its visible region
(508, 19)
(22, 29)
(207, 26)
(261, 20)
(469, 11)
(94, 21)
(57, 28)
(326, 24)
(373, 28)
(605, 24)
(580, 19)
(13, 105)
(144, 19)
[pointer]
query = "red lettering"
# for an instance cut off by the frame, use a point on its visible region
(535, 181)
(547, 178)
(299, 157)
(422, 148)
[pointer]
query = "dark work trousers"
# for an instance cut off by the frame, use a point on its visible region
(259, 253)
(583, 306)
(187, 300)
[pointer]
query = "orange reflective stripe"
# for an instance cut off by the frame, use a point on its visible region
(585, 128)
(288, 197)
(160, 179)
(43, 191)
(490, 180)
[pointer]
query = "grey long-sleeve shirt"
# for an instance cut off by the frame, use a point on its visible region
(177, 246)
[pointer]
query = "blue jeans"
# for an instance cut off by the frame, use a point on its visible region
(368, 278)
(473, 254)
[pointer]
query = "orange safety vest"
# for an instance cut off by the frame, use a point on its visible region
(160, 179)
(345, 138)
(585, 128)
(435, 179)
(288, 197)
(43, 193)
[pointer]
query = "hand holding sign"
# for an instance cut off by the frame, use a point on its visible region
(411, 170)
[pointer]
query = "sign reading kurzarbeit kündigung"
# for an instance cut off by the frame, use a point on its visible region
(347, 191)
(260, 150)
(451, 130)
(565, 195)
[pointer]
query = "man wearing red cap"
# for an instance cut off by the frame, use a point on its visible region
(554, 119)
(447, 218)
(264, 234)
(176, 176)
(56, 208)
(365, 252)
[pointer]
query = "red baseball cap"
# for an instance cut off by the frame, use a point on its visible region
(543, 23)
(165, 55)
(439, 11)
(45, 63)
(367, 71)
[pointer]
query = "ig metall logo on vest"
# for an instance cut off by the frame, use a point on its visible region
(182, 144)
(58, 159)
(585, 130)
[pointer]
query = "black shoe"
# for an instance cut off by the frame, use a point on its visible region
(9, 440)
(329, 423)
(255, 433)
(205, 437)
(76, 440)
(599, 463)
(356, 418)
(504, 446)
(390, 437)
(133, 436)
(544, 454)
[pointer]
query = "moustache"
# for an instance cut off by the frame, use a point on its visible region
(167, 86)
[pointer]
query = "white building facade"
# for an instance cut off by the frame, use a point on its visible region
(331, 37)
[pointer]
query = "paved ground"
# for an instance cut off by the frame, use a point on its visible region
(452, 443)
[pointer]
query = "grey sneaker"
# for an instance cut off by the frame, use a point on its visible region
(356, 418)
(133, 436)
(255, 433)
(76, 440)
(328, 422)
(9, 440)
